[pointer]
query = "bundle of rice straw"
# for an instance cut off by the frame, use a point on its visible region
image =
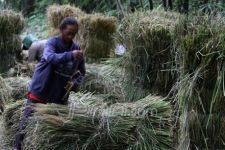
(4, 94)
(11, 22)
(105, 79)
(96, 31)
(2, 98)
(96, 36)
(211, 127)
(91, 124)
(10, 44)
(56, 13)
(201, 85)
(13, 88)
(21, 70)
(6, 61)
(11, 118)
(18, 86)
(149, 61)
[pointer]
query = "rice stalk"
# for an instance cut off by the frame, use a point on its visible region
(150, 59)
(200, 87)
(11, 22)
(11, 118)
(56, 13)
(121, 125)
(96, 36)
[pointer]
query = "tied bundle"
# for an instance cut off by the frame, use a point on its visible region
(200, 96)
(150, 57)
(11, 25)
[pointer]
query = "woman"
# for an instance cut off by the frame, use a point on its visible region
(61, 65)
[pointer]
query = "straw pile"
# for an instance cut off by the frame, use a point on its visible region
(18, 86)
(96, 36)
(11, 24)
(201, 85)
(21, 70)
(96, 31)
(11, 119)
(149, 60)
(56, 13)
(10, 44)
(13, 88)
(5, 95)
(99, 80)
(105, 79)
(90, 124)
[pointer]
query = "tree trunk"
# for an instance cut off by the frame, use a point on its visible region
(186, 6)
(170, 4)
(164, 4)
(141, 4)
(151, 4)
(28, 7)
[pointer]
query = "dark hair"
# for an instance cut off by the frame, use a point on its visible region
(68, 21)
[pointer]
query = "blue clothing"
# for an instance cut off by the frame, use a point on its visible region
(54, 70)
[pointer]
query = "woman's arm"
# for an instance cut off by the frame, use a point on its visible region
(51, 56)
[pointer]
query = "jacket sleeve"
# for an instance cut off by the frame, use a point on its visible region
(51, 56)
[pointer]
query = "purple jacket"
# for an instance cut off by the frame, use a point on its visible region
(54, 71)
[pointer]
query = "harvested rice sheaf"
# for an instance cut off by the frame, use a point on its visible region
(13, 88)
(202, 50)
(5, 94)
(56, 13)
(18, 86)
(96, 36)
(203, 128)
(10, 44)
(105, 79)
(11, 22)
(90, 124)
(201, 47)
(10, 50)
(21, 70)
(148, 37)
(11, 118)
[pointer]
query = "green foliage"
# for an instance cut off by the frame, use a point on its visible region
(37, 25)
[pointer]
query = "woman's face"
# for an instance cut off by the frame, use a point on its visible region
(69, 32)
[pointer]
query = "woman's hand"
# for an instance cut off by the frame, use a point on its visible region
(78, 54)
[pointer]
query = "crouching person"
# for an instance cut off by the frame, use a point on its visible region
(60, 69)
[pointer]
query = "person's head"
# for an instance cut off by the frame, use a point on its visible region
(68, 28)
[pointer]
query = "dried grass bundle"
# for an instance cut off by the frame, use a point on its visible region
(11, 119)
(10, 44)
(13, 88)
(150, 56)
(5, 94)
(200, 87)
(56, 13)
(21, 70)
(18, 86)
(91, 124)
(10, 49)
(96, 36)
(105, 79)
(11, 22)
